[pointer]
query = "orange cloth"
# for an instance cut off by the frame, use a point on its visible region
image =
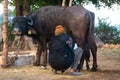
(59, 30)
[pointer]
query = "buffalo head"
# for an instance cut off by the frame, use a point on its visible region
(21, 25)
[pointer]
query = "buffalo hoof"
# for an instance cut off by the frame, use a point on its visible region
(4, 66)
(54, 71)
(93, 69)
(88, 69)
(43, 67)
(36, 64)
(62, 71)
(79, 68)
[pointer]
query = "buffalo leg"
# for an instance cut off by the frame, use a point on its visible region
(93, 48)
(45, 58)
(85, 56)
(87, 60)
(87, 65)
(37, 57)
(80, 65)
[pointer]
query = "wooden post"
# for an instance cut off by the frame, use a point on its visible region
(4, 34)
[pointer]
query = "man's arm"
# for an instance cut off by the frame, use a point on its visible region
(70, 43)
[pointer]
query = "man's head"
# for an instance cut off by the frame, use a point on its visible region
(59, 30)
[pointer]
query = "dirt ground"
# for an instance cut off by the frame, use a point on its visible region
(108, 69)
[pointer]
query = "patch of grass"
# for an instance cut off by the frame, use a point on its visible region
(113, 53)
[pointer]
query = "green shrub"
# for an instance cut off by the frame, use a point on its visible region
(106, 32)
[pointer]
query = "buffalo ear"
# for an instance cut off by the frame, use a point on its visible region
(30, 21)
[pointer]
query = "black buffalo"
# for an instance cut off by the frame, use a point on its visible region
(78, 21)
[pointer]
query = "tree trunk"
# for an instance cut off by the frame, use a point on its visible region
(4, 34)
(70, 3)
(18, 8)
(22, 8)
(63, 2)
(59, 2)
(26, 7)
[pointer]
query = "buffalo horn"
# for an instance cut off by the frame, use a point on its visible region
(30, 21)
